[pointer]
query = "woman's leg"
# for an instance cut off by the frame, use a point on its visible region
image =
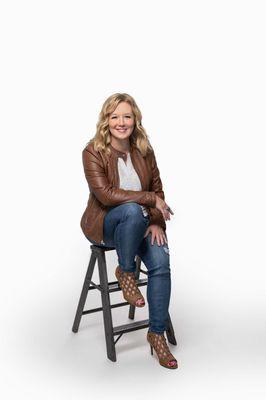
(157, 261)
(124, 229)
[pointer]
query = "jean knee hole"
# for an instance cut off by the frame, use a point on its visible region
(166, 249)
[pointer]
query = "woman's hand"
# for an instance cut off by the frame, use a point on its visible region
(163, 207)
(157, 233)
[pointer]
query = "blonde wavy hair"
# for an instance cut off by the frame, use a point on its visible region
(102, 138)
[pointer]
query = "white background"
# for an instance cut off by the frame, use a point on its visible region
(197, 71)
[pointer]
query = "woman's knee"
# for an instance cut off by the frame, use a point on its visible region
(159, 259)
(132, 210)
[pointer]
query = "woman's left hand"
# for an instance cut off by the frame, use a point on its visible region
(157, 233)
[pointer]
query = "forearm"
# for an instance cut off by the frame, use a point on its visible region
(105, 192)
(111, 196)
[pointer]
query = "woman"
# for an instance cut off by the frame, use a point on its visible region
(126, 210)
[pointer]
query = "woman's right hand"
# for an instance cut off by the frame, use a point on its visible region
(162, 206)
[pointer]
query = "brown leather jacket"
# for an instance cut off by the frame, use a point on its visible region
(101, 172)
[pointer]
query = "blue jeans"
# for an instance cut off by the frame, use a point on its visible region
(124, 229)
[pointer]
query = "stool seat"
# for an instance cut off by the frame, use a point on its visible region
(106, 248)
(106, 287)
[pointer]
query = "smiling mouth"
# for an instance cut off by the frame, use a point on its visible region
(121, 130)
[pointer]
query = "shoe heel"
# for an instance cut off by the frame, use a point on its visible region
(151, 349)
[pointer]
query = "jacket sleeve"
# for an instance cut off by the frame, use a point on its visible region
(107, 194)
(157, 187)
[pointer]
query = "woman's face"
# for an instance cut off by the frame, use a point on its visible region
(121, 121)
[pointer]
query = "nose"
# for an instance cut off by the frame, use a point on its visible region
(121, 121)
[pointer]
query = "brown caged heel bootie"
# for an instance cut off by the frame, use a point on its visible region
(158, 342)
(129, 287)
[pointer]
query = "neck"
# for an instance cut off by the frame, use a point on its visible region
(121, 145)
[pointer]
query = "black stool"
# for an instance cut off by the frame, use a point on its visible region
(105, 287)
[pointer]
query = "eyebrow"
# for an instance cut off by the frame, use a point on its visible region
(123, 114)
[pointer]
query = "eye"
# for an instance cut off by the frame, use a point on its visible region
(127, 116)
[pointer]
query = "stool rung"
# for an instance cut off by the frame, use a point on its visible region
(92, 310)
(114, 286)
(94, 286)
(117, 330)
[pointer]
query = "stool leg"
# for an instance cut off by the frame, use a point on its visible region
(170, 332)
(84, 293)
(107, 315)
(131, 313)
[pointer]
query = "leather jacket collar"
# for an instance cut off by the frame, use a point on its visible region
(119, 153)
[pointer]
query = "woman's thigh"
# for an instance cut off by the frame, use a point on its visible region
(117, 214)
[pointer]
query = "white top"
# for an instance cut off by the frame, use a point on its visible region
(129, 179)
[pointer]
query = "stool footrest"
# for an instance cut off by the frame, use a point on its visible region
(92, 310)
(114, 286)
(117, 330)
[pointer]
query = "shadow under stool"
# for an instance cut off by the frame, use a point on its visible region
(106, 287)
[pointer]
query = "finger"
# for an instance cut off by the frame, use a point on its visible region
(169, 209)
(152, 239)
(158, 240)
(165, 238)
(167, 214)
(148, 231)
(164, 214)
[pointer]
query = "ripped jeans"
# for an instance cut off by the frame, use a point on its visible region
(124, 229)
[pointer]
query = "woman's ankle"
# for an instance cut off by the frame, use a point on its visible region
(158, 333)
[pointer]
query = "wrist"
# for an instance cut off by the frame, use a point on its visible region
(153, 199)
